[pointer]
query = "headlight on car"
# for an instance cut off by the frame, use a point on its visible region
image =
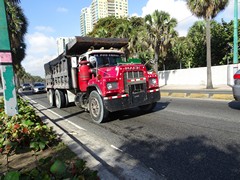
(112, 85)
(152, 82)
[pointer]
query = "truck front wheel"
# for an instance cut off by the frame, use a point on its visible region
(51, 97)
(60, 99)
(97, 110)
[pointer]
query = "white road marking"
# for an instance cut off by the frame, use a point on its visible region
(34, 101)
(114, 147)
(77, 126)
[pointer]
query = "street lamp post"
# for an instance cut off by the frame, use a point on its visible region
(6, 67)
(235, 40)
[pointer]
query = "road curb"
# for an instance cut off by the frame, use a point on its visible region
(198, 95)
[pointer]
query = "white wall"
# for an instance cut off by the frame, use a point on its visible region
(221, 75)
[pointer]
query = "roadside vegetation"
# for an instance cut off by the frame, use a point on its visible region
(29, 149)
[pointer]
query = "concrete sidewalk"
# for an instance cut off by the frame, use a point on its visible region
(223, 92)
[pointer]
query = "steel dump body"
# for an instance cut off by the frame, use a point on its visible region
(95, 72)
(58, 73)
(82, 44)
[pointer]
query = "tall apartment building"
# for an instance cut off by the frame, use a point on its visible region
(100, 9)
(85, 21)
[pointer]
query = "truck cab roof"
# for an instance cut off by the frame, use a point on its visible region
(101, 51)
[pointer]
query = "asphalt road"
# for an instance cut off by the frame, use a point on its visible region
(181, 139)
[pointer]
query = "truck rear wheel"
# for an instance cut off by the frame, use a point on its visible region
(148, 107)
(51, 97)
(60, 99)
(97, 110)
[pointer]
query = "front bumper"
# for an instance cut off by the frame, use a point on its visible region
(117, 103)
(236, 92)
(39, 90)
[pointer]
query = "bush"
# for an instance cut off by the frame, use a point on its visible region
(24, 129)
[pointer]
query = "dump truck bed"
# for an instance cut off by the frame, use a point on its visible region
(81, 45)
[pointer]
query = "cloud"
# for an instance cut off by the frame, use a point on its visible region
(134, 14)
(40, 49)
(35, 65)
(44, 29)
(39, 43)
(178, 9)
(62, 10)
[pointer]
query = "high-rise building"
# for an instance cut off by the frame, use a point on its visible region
(100, 9)
(85, 21)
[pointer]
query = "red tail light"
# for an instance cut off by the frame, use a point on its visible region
(236, 76)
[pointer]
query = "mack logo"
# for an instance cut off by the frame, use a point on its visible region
(132, 68)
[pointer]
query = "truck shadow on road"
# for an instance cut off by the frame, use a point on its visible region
(234, 105)
(135, 112)
(193, 157)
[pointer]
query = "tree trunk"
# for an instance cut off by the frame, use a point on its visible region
(156, 57)
(208, 39)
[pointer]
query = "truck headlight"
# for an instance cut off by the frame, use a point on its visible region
(152, 81)
(112, 85)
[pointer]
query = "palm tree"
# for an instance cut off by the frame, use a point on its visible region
(208, 10)
(17, 24)
(124, 30)
(13, 1)
(102, 32)
(160, 27)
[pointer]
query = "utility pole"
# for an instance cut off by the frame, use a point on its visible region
(235, 40)
(6, 66)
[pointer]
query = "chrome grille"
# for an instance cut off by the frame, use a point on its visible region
(131, 75)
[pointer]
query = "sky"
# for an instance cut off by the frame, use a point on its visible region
(50, 19)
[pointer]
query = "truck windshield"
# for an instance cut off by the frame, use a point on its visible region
(107, 59)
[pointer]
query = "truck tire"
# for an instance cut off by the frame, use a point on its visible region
(51, 97)
(97, 110)
(60, 99)
(148, 107)
(66, 99)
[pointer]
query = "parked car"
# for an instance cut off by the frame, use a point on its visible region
(39, 87)
(236, 86)
(26, 86)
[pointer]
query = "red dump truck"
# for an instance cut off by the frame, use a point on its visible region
(94, 74)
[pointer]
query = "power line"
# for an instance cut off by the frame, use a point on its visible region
(185, 19)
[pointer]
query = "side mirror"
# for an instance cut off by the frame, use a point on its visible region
(151, 61)
(93, 60)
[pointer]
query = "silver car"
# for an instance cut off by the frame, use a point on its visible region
(236, 86)
(26, 86)
(39, 88)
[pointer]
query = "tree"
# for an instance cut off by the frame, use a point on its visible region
(219, 43)
(14, 1)
(228, 28)
(17, 23)
(160, 27)
(207, 9)
(106, 26)
(132, 28)
(182, 51)
(197, 37)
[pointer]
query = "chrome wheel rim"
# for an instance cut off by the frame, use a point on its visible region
(95, 107)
